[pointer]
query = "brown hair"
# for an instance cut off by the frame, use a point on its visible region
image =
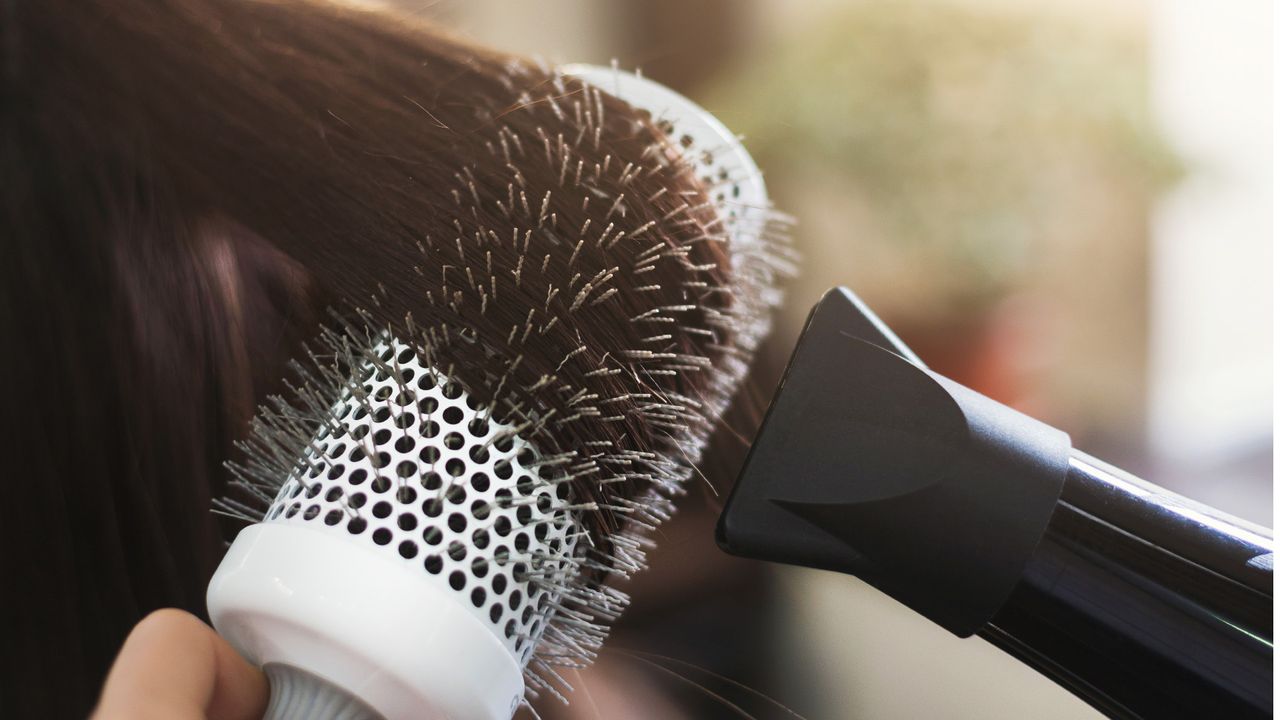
(189, 183)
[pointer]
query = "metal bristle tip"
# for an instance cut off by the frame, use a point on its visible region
(495, 510)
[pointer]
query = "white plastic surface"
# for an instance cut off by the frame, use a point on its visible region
(299, 596)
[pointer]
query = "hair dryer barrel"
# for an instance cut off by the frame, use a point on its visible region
(1144, 603)
(986, 521)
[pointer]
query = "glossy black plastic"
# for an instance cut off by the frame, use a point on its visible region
(1144, 603)
(867, 463)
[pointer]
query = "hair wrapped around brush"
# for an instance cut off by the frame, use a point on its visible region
(190, 184)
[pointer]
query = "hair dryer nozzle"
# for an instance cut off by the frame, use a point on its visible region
(870, 464)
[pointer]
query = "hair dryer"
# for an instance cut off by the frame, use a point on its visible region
(987, 522)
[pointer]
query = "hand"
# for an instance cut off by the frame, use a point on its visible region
(174, 667)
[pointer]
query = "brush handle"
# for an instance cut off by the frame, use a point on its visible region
(298, 695)
(1144, 603)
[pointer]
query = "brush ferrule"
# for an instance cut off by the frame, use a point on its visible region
(299, 597)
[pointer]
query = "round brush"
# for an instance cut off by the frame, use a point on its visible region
(435, 525)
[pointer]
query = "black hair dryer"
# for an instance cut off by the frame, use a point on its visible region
(987, 522)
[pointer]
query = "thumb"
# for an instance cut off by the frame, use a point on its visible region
(173, 666)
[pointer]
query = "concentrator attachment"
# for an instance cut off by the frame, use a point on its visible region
(870, 464)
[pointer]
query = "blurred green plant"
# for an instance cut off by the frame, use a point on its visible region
(958, 127)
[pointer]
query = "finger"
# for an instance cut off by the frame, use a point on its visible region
(174, 666)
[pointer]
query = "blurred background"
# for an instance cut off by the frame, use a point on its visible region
(1065, 205)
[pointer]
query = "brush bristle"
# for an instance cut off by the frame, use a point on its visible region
(588, 298)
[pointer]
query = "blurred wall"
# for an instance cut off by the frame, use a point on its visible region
(1211, 338)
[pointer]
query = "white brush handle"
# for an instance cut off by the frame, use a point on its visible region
(298, 695)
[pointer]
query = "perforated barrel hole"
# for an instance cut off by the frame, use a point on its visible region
(502, 498)
(526, 485)
(502, 526)
(457, 522)
(457, 551)
(456, 494)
